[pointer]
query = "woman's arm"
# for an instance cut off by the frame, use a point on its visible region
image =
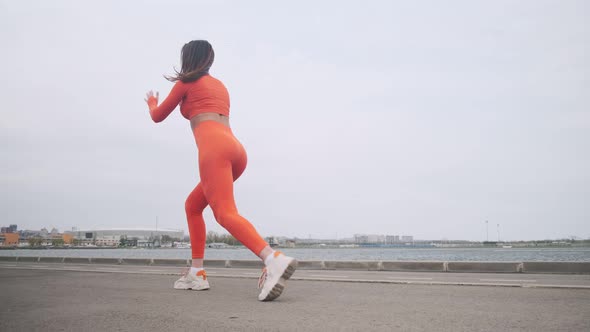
(159, 113)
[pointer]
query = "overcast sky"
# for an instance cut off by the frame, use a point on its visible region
(422, 118)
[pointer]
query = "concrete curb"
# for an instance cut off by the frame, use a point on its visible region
(137, 261)
(556, 267)
(404, 266)
(352, 265)
(414, 266)
(51, 259)
(8, 259)
(27, 259)
(216, 263)
(80, 260)
(174, 262)
(243, 264)
(495, 267)
(311, 265)
(105, 260)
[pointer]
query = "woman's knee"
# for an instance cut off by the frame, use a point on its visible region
(194, 205)
(226, 218)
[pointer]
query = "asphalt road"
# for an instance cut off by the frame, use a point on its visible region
(40, 299)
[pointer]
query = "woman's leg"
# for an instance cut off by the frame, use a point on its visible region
(195, 278)
(194, 206)
(218, 184)
(219, 167)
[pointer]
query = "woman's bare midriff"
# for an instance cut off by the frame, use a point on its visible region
(223, 119)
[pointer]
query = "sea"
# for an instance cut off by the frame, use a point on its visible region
(581, 254)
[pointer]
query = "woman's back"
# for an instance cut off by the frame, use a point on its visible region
(205, 95)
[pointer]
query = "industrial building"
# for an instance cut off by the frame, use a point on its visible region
(112, 237)
(374, 239)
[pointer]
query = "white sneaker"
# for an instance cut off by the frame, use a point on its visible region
(272, 280)
(194, 282)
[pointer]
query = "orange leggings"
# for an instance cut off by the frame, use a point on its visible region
(222, 159)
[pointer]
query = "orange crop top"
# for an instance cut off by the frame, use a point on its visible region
(207, 94)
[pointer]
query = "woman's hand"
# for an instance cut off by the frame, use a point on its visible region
(151, 99)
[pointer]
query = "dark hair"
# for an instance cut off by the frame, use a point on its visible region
(197, 57)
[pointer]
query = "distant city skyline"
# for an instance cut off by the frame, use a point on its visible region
(357, 238)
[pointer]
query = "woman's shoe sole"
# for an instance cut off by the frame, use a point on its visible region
(277, 290)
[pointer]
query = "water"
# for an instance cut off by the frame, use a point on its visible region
(355, 254)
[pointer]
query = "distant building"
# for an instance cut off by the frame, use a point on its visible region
(42, 237)
(272, 241)
(9, 239)
(361, 239)
(407, 238)
(391, 239)
(369, 239)
(68, 238)
(218, 245)
(112, 237)
(9, 229)
(377, 239)
(372, 239)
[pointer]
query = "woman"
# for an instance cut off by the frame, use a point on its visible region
(204, 101)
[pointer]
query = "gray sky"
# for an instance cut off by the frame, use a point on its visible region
(423, 118)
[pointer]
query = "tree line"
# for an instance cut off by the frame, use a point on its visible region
(38, 242)
(213, 237)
